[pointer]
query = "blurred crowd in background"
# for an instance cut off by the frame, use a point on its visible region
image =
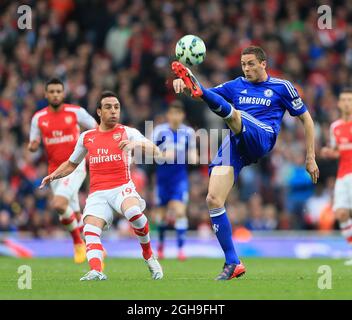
(127, 46)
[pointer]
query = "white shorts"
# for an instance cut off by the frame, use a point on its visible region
(69, 186)
(343, 193)
(103, 204)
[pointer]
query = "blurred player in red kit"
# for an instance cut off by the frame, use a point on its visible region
(58, 126)
(341, 148)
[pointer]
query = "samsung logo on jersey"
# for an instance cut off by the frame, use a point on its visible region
(254, 100)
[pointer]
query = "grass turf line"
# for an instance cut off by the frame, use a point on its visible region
(129, 279)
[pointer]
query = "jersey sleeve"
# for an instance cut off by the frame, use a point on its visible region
(135, 135)
(85, 119)
(333, 143)
(80, 151)
(291, 100)
(34, 134)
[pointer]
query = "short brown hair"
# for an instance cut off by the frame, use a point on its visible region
(106, 94)
(346, 90)
(53, 81)
(177, 104)
(257, 51)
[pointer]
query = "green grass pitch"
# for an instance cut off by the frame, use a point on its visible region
(129, 279)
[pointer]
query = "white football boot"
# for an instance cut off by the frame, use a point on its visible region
(154, 268)
(93, 275)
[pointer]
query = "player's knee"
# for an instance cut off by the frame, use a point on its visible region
(214, 201)
(236, 116)
(59, 205)
(136, 217)
(180, 214)
(342, 215)
(235, 121)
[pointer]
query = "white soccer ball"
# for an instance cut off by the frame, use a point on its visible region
(190, 50)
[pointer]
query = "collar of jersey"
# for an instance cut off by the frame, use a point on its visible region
(52, 110)
(116, 127)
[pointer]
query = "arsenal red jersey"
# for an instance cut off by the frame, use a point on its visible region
(109, 166)
(341, 139)
(59, 131)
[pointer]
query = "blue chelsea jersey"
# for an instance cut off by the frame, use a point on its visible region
(266, 101)
(180, 140)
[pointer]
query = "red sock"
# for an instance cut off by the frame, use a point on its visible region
(76, 236)
(94, 247)
(95, 264)
(79, 221)
(142, 234)
(147, 250)
(69, 224)
(139, 223)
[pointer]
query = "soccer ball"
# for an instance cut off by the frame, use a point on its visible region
(190, 50)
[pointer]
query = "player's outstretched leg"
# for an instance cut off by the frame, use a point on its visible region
(220, 184)
(140, 226)
(188, 78)
(216, 103)
(92, 235)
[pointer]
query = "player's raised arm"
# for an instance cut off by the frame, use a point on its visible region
(148, 147)
(136, 140)
(311, 165)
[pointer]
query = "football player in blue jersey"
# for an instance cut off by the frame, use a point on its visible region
(178, 144)
(252, 107)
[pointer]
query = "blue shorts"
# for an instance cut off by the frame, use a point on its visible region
(254, 141)
(166, 192)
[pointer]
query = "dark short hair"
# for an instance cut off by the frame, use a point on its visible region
(177, 104)
(346, 90)
(53, 81)
(106, 94)
(257, 51)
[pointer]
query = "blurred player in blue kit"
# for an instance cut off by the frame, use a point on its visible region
(252, 107)
(178, 144)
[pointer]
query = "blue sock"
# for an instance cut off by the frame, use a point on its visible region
(181, 236)
(181, 226)
(217, 103)
(223, 230)
(161, 229)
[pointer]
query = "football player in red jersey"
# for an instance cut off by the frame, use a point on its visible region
(341, 148)
(109, 149)
(58, 126)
